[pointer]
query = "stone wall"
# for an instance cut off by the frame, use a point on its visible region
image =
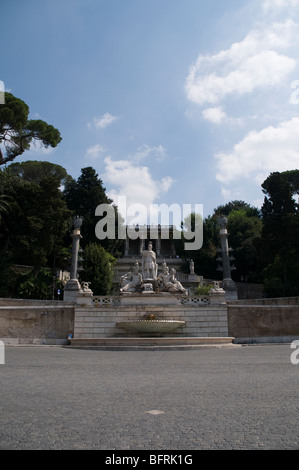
(262, 320)
(35, 322)
(49, 322)
(97, 318)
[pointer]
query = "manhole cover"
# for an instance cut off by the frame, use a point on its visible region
(155, 412)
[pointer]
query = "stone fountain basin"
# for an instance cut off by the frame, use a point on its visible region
(151, 326)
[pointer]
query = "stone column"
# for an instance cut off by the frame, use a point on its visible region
(227, 283)
(127, 245)
(72, 287)
(158, 246)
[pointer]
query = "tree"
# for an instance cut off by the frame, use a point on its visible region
(205, 258)
(280, 236)
(4, 205)
(38, 218)
(97, 269)
(245, 229)
(226, 209)
(82, 197)
(17, 131)
(36, 171)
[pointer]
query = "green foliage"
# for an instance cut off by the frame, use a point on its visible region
(98, 269)
(274, 283)
(203, 290)
(280, 235)
(204, 259)
(82, 197)
(34, 228)
(17, 131)
(237, 206)
(22, 283)
(37, 285)
(39, 199)
(4, 205)
(245, 229)
(36, 171)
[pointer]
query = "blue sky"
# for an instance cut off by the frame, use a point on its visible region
(171, 101)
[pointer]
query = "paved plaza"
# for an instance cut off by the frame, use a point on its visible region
(53, 397)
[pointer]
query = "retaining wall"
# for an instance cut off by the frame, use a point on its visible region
(94, 320)
(35, 322)
(263, 320)
(49, 322)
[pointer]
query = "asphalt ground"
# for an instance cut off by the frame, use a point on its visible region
(57, 398)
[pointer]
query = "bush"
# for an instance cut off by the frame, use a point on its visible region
(97, 269)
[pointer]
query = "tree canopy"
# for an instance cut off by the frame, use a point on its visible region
(36, 171)
(17, 131)
(37, 217)
(39, 199)
(98, 268)
(280, 235)
(82, 197)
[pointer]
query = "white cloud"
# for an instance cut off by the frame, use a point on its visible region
(253, 63)
(277, 5)
(231, 194)
(135, 182)
(145, 150)
(36, 146)
(103, 121)
(259, 153)
(166, 183)
(214, 115)
(94, 152)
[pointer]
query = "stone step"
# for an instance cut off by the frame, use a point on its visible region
(151, 343)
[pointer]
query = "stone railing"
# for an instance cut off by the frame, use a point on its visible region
(187, 301)
(102, 301)
(194, 300)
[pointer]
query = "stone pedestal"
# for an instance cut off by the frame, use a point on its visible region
(71, 290)
(84, 298)
(231, 292)
(217, 298)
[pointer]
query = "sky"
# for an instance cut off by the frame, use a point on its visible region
(170, 101)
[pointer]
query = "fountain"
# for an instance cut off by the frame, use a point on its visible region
(151, 325)
(151, 310)
(150, 283)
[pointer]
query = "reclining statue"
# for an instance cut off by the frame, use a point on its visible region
(167, 281)
(132, 281)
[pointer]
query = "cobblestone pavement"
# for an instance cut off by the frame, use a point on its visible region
(210, 398)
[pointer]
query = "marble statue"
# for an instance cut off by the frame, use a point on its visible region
(167, 281)
(216, 289)
(132, 281)
(192, 266)
(149, 263)
(85, 287)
